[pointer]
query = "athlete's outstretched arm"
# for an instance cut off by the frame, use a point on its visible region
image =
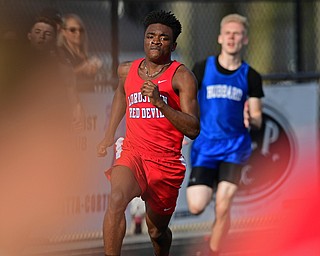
(118, 110)
(185, 85)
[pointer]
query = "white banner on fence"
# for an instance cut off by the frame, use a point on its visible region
(286, 151)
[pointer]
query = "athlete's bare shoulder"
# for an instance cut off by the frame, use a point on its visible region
(183, 76)
(182, 69)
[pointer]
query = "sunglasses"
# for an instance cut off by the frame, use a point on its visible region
(74, 30)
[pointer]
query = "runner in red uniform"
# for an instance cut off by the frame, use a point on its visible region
(158, 96)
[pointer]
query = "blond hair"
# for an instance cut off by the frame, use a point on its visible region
(62, 41)
(236, 18)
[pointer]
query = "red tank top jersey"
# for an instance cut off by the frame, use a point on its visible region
(146, 127)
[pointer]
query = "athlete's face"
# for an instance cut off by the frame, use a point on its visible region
(232, 38)
(158, 42)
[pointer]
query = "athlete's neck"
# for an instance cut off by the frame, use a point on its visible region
(154, 69)
(230, 62)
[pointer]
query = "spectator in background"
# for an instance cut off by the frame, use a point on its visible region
(43, 56)
(20, 57)
(43, 36)
(73, 43)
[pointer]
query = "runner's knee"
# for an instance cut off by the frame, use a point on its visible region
(117, 201)
(160, 235)
(196, 207)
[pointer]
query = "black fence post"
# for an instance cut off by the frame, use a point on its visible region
(114, 40)
(299, 46)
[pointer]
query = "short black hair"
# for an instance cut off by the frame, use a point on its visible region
(46, 20)
(165, 18)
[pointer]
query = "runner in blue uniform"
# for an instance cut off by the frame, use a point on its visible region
(230, 93)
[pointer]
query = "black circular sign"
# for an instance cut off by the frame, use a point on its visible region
(271, 159)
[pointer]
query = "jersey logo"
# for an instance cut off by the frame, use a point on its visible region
(161, 81)
(166, 209)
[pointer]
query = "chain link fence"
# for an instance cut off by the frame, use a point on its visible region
(284, 35)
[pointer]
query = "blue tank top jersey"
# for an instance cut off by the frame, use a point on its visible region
(221, 99)
(223, 136)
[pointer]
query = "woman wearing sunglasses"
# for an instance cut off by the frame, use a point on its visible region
(73, 42)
